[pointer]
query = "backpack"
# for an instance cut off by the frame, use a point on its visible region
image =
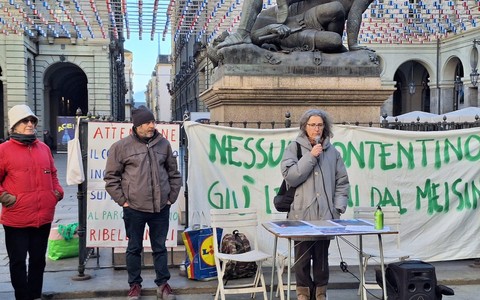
(284, 198)
(235, 243)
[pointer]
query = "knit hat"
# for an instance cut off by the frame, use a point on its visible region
(18, 113)
(142, 115)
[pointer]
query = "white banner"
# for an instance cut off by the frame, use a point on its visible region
(432, 176)
(105, 227)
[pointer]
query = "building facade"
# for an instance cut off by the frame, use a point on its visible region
(190, 77)
(129, 99)
(56, 77)
(424, 49)
(163, 69)
(59, 70)
(431, 77)
(158, 94)
(61, 60)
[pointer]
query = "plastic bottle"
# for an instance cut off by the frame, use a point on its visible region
(378, 218)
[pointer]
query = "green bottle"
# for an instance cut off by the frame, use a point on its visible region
(378, 218)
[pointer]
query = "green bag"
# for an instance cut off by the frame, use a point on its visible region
(63, 242)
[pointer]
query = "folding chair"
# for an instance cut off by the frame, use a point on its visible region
(391, 215)
(245, 221)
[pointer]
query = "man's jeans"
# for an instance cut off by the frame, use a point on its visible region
(158, 228)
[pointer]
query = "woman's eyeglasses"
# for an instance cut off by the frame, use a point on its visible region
(31, 120)
(320, 125)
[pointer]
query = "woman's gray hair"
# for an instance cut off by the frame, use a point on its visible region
(327, 122)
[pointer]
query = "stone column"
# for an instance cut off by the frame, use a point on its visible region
(471, 96)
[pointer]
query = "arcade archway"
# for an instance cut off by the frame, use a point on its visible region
(65, 92)
(413, 90)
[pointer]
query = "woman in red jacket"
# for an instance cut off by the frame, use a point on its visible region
(29, 192)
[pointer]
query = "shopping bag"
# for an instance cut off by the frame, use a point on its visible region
(75, 174)
(63, 242)
(200, 260)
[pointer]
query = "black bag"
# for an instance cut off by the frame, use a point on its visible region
(284, 198)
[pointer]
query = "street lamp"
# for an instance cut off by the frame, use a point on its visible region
(411, 88)
(474, 62)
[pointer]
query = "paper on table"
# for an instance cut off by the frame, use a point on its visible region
(352, 222)
(327, 226)
(291, 227)
(364, 228)
(323, 223)
(290, 223)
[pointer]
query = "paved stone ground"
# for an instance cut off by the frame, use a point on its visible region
(107, 282)
(462, 292)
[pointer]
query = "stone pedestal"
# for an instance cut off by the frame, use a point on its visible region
(263, 86)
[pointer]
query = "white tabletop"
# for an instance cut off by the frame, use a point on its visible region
(324, 228)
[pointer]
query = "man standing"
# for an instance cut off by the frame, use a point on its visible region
(142, 176)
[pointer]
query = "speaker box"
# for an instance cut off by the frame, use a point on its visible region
(409, 280)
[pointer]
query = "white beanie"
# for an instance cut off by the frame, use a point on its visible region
(19, 112)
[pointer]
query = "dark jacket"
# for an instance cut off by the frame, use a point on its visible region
(28, 172)
(143, 174)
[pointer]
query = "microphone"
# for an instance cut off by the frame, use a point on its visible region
(318, 140)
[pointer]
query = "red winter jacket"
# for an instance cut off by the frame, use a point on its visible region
(28, 172)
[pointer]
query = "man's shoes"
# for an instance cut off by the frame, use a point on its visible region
(164, 292)
(135, 291)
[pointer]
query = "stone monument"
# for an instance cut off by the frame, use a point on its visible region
(290, 58)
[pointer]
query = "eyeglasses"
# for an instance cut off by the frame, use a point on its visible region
(320, 125)
(31, 120)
